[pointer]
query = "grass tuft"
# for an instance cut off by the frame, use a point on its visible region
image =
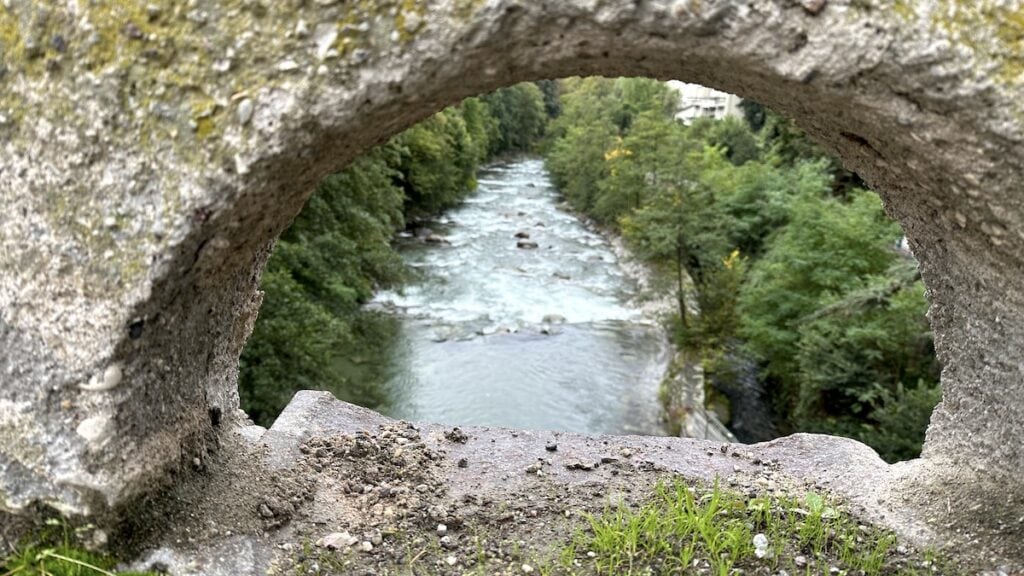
(52, 553)
(684, 529)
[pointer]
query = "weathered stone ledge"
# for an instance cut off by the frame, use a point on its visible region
(496, 466)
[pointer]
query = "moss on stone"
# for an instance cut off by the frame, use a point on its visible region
(466, 9)
(903, 9)
(388, 15)
(157, 59)
(203, 111)
(993, 31)
(409, 28)
(11, 46)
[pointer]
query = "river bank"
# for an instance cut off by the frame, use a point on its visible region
(683, 389)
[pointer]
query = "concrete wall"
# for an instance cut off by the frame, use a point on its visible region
(151, 153)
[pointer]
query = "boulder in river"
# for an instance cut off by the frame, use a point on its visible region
(527, 244)
(549, 329)
(553, 319)
(436, 239)
(422, 232)
(561, 275)
(522, 234)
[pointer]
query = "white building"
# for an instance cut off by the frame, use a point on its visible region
(696, 101)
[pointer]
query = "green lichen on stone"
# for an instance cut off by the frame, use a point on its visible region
(903, 9)
(120, 30)
(203, 112)
(405, 18)
(466, 9)
(151, 56)
(11, 46)
(161, 62)
(112, 259)
(205, 127)
(359, 18)
(24, 37)
(410, 19)
(993, 31)
(349, 35)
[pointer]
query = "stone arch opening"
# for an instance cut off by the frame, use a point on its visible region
(128, 305)
(443, 373)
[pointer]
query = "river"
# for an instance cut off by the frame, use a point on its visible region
(544, 338)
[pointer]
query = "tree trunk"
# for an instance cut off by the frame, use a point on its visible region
(681, 289)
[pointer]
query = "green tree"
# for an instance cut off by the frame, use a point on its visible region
(636, 96)
(757, 197)
(783, 247)
(897, 425)
(754, 114)
(324, 266)
(736, 139)
(521, 117)
(436, 163)
(552, 104)
(788, 145)
(577, 163)
(838, 320)
(480, 124)
(681, 223)
(827, 248)
(611, 138)
(647, 158)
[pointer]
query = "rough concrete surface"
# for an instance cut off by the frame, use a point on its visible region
(151, 152)
(327, 467)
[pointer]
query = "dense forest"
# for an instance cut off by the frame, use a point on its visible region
(776, 255)
(339, 251)
(788, 259)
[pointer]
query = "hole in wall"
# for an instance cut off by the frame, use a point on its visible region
(363, 322)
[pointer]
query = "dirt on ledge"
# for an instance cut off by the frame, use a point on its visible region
(337, 489)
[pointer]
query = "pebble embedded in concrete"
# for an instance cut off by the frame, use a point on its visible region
(96, 430)
(245, 111)
(337, 541)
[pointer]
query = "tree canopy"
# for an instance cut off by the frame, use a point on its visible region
(790, 259)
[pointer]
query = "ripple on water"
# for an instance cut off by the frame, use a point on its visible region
(474, 347)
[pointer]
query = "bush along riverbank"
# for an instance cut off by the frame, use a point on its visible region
(682, 391)
(311, 327)
(795, 269)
